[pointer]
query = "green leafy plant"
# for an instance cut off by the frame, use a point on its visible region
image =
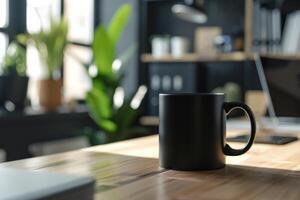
(111, 110)
(50, 44)
(14, 60)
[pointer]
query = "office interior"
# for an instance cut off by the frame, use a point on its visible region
(78, 75)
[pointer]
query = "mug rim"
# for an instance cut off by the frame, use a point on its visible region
(192, 94)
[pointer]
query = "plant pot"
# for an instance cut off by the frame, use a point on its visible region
(17, 91)
(4, 83)
(50, 94)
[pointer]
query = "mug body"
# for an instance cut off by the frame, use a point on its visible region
(191, 131)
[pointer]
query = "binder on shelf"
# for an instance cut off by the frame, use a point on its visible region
(256, 27)
(266, 29)
(291, 34)
(276, 30)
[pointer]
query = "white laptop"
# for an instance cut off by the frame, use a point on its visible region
(18, 184)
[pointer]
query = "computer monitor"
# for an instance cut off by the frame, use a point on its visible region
(281, 83)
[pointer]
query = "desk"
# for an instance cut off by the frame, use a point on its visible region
(129, 170)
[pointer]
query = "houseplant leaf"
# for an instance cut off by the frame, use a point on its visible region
(118, 22)
(15, 60)
(100, 110)
(99, 93)
(125, 116)
(104, 52)
(50, 44)
(110, 118)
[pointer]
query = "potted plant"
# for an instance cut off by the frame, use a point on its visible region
(112, 110)
(4, 82)
(51, 45)
(14, 88)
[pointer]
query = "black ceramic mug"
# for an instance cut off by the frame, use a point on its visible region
(192, 131)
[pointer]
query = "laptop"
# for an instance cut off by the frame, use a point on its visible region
(19, 184)
(281, 84)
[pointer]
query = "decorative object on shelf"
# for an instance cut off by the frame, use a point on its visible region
(50, 94)
(232, 93)
(190, 10)
(51, 47)
(223, 43)
(258, 102)
(231, 90)
(14, 81)
(179, 46)
(108, 105)
(205, 40)
(237, 36)
(160, 45)
(291, 34)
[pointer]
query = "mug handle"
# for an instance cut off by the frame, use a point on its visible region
(228, 107)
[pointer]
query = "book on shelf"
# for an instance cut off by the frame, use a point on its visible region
(266, 29)
(276, 30)
(291, 34)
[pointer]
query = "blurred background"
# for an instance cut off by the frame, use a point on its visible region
(82, 73)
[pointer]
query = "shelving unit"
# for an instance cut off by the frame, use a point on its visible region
(205, 71)
(249, 29)
(193, 57)
(224, 57)
(245, 55)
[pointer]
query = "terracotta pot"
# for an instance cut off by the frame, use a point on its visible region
(50, 94)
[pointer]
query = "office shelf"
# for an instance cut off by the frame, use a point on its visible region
(193, 57)
(288, 57)
(224, 57)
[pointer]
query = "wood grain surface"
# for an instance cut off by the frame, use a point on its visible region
(130, 170)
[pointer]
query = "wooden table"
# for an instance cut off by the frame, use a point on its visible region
(130, 170)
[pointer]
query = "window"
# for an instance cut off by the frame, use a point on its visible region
(3, 46)
(81, 19)
(37, 18)
(3, 28)
(76, 80)
(38, 13)
(3, 13)
(80, 16)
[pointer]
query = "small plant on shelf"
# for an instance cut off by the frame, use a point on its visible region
(51, 44)
(13, 79)
(14, 60)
